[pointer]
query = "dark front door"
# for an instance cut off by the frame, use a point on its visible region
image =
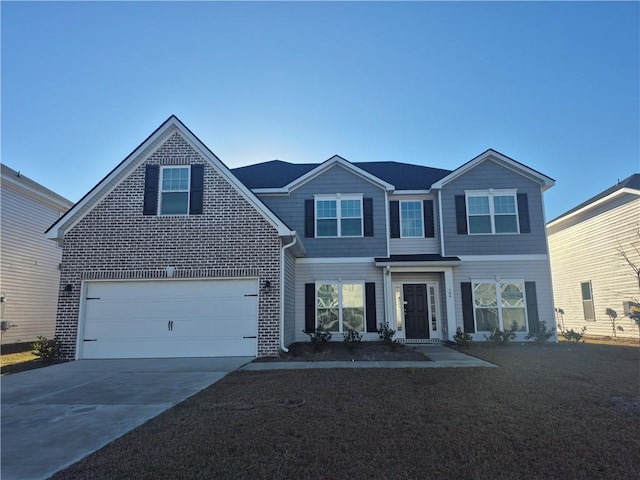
(416, 311)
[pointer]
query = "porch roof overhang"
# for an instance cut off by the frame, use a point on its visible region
(421, 260)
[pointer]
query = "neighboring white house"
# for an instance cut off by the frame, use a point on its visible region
(29, 268)
(593, 283)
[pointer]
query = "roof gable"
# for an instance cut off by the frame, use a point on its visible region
(137, 157)
(490, 154)
(630, 185)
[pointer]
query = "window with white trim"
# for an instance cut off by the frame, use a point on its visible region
(339, 216)
(340, 306)
(491, 212)
(499, 305)
(411, 219)
(587, 301)
(174, 190)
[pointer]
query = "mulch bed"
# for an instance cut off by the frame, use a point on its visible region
(557, 411)
(338, 352)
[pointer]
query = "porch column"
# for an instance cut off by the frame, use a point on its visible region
(450, 295)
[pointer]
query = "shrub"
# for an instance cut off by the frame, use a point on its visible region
(542, 335)
(573, 336)
(386, 333)
(45, 348)
(319, 338)
(352, 339)
(462, 339)
(498, 337)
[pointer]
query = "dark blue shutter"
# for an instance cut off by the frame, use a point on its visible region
(309, 219)
(196, 196)
(394, 218)
(461, 215)
(367, 207)
(429, 224)
(370, 304)
(467, 307)
(532, 306)
(523, 213)
(310, 307)
(151, 182)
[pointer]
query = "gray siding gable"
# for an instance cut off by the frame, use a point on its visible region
(337, 179)
(485, 175)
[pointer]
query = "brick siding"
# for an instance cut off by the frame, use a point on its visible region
(115, 240)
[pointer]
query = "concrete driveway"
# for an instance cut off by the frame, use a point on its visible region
(54, 416)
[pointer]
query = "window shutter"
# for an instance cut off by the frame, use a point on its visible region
(461, 215)
(367, 207)
(196, 196)
(310, 307)
(394, 218)
(532, 306)
(309, 219)
(370, 304)
(467, 307)
(523, 213)
(151, 182)
(429, 226)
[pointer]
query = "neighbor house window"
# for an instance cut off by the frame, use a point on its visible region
(499, 305)
(587, 301)
(339, 217)
(492, 212)
(411, 219)
(340, 306)
(174, 191)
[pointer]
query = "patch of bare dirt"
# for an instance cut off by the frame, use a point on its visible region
(338, 352)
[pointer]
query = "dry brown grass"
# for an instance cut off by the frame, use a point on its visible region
(558, 411)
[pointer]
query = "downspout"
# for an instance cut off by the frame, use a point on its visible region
(288, 245)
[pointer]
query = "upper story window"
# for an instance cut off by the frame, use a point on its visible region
(411, 218)
(174, 191)
(492, 212)
(339, 216)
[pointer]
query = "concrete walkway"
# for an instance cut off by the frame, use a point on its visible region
(442, 357)
(54, 416)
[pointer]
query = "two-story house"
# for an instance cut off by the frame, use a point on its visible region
(173, 254)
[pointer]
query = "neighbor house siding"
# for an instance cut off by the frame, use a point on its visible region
(291, 210)
(490, 174)
(527, 270)
(587, 247)
(289, 297)
(30, 263)
(313, 272)
(410, 246)
(116, 241)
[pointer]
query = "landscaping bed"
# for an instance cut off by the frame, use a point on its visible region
(556, 411)
(337, 351)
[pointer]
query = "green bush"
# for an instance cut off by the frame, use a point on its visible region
(319, 338)
(352, 339)
(542, 335)
(45, 348)
(386, 333)
(498, 337)
(573, 336)
(462, 339)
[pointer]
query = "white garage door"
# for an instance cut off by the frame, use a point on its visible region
(169, 318)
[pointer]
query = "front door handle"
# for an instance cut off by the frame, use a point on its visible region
(170, 325)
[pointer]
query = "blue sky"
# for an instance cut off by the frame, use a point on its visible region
(553, 85)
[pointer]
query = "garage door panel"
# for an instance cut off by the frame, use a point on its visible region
(170, 318)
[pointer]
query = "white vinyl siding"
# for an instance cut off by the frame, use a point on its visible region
(30, 266)
(586, 248)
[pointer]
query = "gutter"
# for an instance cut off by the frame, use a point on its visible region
(284, 247)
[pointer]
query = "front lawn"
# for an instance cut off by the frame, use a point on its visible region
(558, 411)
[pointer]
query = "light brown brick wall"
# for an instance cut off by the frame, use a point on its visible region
(114, 240)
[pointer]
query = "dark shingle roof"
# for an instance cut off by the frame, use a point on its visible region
(277, 174)
(632, 181)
